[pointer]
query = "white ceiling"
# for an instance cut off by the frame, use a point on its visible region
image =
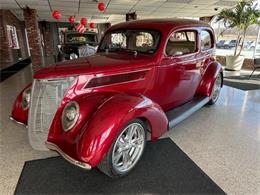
(116, 9)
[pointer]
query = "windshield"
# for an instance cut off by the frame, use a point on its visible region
(144, 41)
(77, 38)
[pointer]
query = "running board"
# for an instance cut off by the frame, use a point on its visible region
(176, 115)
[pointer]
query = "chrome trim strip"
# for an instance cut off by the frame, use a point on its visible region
(186, 61)
(56, 148)
(18, 122)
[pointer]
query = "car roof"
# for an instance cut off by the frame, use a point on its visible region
(160, 24)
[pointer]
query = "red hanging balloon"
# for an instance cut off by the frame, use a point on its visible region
(92, 25)
(83, 21)
(101, 7)
(56, 14)
(71, 19)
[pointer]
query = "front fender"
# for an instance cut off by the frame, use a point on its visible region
(208, 79)
(18, 113)
(109, 119)
(67, 141)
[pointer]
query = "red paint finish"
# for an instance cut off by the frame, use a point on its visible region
(114, 88)
(180, 78)
(99, 64)
(18, 113)
(208, 79)
(104, 127)
(98, 125)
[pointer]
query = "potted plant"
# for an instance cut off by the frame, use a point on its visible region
(244, 14)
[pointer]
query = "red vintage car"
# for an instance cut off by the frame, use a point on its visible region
(146, 77)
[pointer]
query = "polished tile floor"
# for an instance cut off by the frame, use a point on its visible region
(223, 140)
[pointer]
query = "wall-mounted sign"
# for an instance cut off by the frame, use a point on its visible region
(12, 37)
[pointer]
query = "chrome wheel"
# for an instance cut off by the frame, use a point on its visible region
(216, 88)
(128, 148)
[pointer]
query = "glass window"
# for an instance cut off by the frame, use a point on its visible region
(78, 38)
(181, 43)
(227, 39)
(206, 41)
(12, 37)
(131, 41)
(183, 36)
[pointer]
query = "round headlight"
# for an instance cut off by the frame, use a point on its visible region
(70, 115)
(26, 98)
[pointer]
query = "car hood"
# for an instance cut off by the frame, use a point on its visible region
(96, 64)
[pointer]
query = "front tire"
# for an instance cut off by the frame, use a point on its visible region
(216, 89)
(126, 151)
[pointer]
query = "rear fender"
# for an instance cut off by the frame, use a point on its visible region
(111, 117)
(18, 113)
(208, 79)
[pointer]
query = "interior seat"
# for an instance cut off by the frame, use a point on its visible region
(180, 47)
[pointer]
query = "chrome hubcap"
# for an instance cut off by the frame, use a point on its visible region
(128, 147)
(217, 88)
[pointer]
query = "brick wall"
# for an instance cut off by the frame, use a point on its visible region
(48, 47)
(9, 56)
(34, 39)
(5, 51)
(248, 63)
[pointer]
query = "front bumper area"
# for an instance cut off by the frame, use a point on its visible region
(80, 164)
(18, 122)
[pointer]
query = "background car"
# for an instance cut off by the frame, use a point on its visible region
(74, 41)
(249, 45)
(220, 44)
(230, 44)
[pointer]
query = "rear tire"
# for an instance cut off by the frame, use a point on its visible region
(216, 89)
(126, 150)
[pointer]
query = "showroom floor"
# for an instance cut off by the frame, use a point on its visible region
(223, 140)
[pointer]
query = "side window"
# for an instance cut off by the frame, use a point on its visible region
(181, 43)
(206, 40)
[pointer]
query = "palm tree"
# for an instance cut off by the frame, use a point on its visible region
(244, 14)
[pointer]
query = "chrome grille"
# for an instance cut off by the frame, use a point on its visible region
(45, 98)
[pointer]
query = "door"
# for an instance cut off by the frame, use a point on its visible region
(207, 49)
(178, 72)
